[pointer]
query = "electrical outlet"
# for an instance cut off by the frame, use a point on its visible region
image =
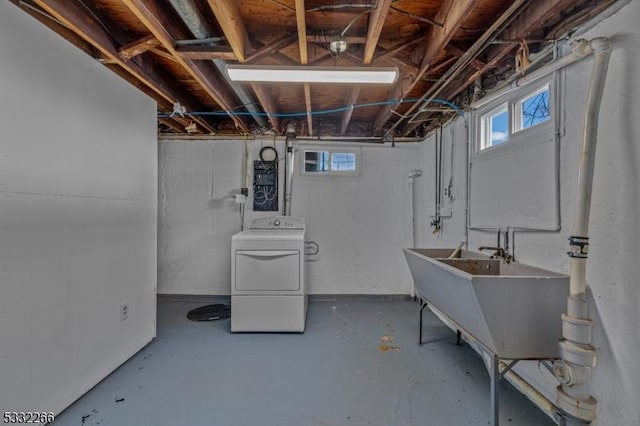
(124, 311)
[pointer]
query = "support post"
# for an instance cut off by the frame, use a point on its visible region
(494, 377)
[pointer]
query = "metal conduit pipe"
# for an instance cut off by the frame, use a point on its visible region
(578, 356)
(289, 169)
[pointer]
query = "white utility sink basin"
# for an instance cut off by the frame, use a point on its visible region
(512, 309)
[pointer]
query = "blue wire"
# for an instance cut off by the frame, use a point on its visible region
(320, 112)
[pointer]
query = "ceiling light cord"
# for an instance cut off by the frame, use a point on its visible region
(353, 21)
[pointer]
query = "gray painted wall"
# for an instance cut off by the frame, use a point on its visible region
(360, 222)
(612, 271)
(78, 188)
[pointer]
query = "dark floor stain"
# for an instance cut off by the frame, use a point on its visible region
(118, 400)
(85, 417)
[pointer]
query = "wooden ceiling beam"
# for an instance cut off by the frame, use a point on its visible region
(141, 72)
(202, 53)
(266, 101)
(304, 58)
(452, 14)
(457, 51)
(270, 48)
(172, 124)
(352, 98)
(163, 54)
(322, 38)
(530, 20)
(227, 13)
(155, 19)
(138, 47)
(376, 22)
(397, 48)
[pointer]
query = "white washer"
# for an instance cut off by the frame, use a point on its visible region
(267, 276)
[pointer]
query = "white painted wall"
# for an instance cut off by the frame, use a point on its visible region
(78, 197)
(361, 223)
(612, 271)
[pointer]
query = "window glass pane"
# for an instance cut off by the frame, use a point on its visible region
(499, 125)
(316, 161)
(535, 109)
(343, 161)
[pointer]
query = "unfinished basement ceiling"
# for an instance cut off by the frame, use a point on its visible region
(446, 51)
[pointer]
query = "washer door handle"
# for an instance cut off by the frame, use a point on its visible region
(267, 253)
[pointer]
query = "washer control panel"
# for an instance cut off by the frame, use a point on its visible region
(277, 222)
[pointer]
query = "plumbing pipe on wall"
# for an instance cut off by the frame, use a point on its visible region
(412, 201)
(574, 370)
(288, 169)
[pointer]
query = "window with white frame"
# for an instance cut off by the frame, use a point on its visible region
(330, 161)
(495, 127)
(531, 110)
(500, 124)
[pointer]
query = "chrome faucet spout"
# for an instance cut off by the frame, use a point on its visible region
(498, 251)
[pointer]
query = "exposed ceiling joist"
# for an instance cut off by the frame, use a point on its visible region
(304, 58)
(498, 25)
(138, 47)
(352, 98)
(537, 13)
(228, 15)
(376, 23)
(397, 48)
(154, 18)
(206, 53)
(177, 50)
(267, 105)
(457, 51)
(142, 71)
(270, 48)
(452, 13)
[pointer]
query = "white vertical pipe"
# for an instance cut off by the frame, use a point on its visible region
(578, 355)
(288, 168)
(412, 202)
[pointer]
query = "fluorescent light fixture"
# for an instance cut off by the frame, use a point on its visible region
(304, 74)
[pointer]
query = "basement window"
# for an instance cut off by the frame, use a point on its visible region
(495, 127)
(521, 112)
(532, 109)
(330, 162)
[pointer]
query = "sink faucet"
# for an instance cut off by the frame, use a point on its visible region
(499, 252)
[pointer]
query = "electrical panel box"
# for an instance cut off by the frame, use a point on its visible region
(265, 186)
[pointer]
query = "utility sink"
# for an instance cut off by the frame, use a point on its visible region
(512, 309)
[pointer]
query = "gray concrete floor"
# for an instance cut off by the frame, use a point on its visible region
(358, 363)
